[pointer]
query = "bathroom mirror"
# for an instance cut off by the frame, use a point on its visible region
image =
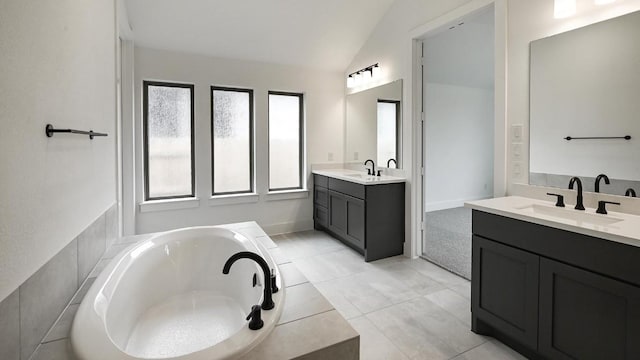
(373, 126)
(585, 83)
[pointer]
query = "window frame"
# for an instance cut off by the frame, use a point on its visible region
(145, 137)
(251, 142)
(398, 127)
(302, 144)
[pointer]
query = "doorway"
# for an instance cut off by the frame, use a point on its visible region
(458, 134)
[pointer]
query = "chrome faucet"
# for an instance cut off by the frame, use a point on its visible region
(394, 162)
(579, 204)
(600, 177)
(269, 279)
(371, 171)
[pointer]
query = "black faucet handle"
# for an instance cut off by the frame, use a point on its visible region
(602, 206)
(560, 200)
(274, 286)
(368, 171)
(379, 173)
(255, 317)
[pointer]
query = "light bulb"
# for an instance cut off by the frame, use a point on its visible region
(564, 8)
(358, 77)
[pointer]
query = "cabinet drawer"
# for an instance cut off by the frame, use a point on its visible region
(319, 180)
(320, 196)
(321, 215)
(348, 188)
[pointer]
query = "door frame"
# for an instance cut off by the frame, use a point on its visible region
(417, 120)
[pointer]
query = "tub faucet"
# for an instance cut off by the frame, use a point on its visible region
(630, 192)
(267, 302)
(600, 177)
(575, 179)
(371, 171)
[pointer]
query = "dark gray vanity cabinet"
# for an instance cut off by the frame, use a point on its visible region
(368, 218)
(554, 294)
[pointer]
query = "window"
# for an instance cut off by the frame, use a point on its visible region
(232, 144)
(285, 141)
(168, 140)
(388, 125)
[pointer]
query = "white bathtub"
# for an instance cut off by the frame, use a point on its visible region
(166, 298)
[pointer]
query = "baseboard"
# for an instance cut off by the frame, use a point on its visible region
(449, 204)
(288, 227)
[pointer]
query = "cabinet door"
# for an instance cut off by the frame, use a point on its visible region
(584, 315)
(337, 213)
(346, 218)
(504, 292)
(320, 216)
(320, 196)
(355, 221)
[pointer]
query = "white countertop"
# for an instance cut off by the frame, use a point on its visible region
(359, 177)
(615, 226)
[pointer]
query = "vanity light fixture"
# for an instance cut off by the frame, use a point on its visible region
(564, 8)
(361, 76)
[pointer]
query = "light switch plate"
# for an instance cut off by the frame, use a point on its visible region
(516, 151)
(516, 133)
(517, 169)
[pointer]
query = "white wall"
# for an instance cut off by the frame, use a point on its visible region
(324, 104)
(58, 67)
(528, 21)
(458, 145)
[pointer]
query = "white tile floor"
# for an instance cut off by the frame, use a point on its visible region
(402, 308)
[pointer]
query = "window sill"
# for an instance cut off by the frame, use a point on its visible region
(287, 195)
(233, 199)
(169, 204)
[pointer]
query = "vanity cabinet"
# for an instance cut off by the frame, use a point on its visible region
(367, 218)
(554, 294)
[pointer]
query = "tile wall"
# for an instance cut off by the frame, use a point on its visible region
(29, 312)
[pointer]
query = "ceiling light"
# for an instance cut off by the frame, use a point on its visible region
(564, 8)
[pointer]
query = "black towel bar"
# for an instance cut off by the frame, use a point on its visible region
(49, 130)
(626, 137)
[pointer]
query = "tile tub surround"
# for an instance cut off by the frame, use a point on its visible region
(309, 327)
(31, 310)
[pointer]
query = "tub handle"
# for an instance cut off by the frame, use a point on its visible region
(274, 287)
(255, 316)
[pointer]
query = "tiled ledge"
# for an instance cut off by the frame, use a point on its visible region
(309, 327)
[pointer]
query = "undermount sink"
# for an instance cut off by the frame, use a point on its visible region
(569, 214)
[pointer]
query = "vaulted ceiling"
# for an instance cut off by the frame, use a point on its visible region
(323, 34)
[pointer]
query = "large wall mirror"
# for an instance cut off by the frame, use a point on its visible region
(373, 127)
(585, 84)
